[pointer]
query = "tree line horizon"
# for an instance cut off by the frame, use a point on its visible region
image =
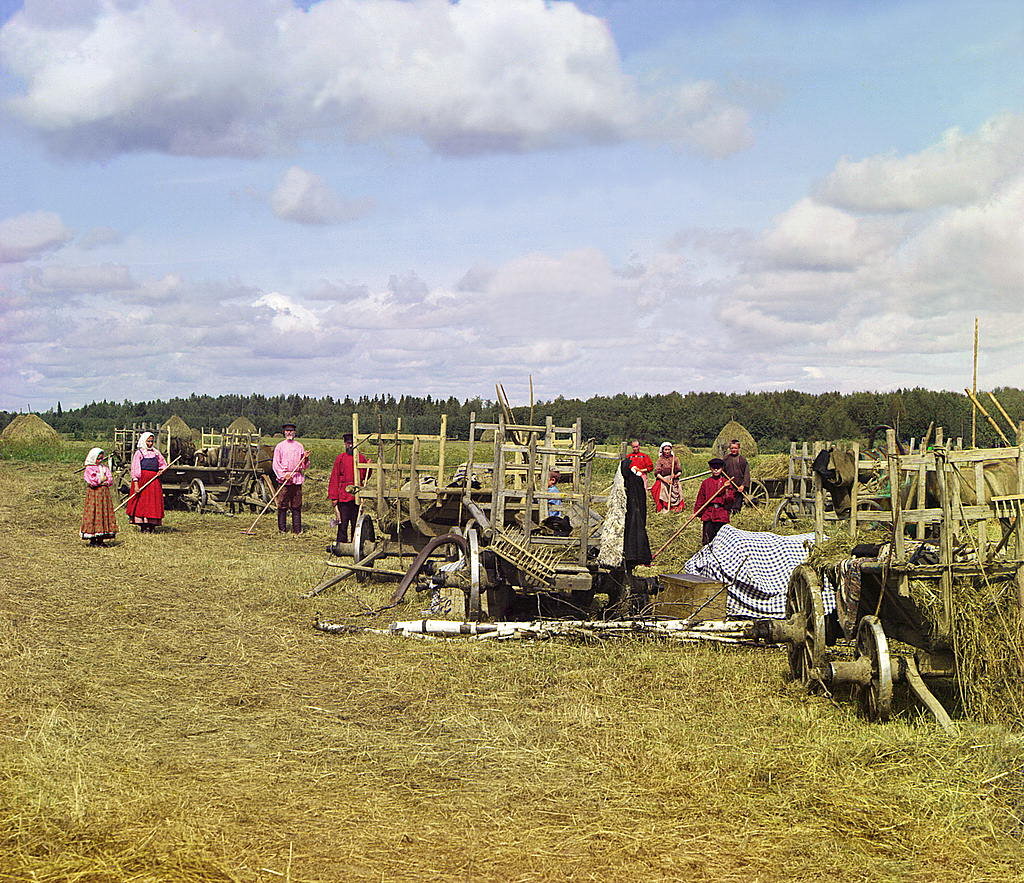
(774, 419)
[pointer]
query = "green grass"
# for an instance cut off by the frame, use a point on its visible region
(167, 712)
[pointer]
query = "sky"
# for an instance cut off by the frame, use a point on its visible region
(354, 197)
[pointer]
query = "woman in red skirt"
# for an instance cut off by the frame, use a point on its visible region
(98, 520)
(146, 503)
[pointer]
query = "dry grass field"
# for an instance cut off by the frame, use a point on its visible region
(168, 712)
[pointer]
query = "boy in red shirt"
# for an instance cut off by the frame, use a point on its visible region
(716, 513)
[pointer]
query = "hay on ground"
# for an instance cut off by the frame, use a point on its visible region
(734, 429)
(29, 428)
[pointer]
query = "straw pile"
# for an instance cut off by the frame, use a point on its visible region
(988, 641)
(769, 467)
(241, 424)
(734, 429)
(177, 428)
(29, 428)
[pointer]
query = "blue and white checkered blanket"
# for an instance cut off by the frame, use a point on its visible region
(756, 568)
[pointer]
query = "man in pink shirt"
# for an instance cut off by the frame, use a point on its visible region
(290, 463)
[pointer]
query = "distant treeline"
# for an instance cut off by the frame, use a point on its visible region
(773, 418)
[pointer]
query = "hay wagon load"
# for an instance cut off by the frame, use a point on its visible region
(489, 529)
(943, 606)
(227, 472)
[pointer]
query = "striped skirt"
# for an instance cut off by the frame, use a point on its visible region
(98, 519)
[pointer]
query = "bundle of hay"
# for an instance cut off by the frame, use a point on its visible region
(241, 424)
(734, 429)
(769, 467)
(175, 427)
(29, 428)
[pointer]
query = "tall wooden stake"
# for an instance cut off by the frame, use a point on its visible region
(974, 390)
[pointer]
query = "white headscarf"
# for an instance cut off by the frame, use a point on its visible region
(142, 441)
(93, 456)
(664, 445)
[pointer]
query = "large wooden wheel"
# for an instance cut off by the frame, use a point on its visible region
(363, 543)
(196, 497)
(756, 496)
(875, 696)
(805, 612)
(785, 513)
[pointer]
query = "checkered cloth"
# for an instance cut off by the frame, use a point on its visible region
(756, 568)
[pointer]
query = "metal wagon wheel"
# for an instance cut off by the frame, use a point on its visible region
(805, 611)
(195, 497)
(363, 543)
(875, 697)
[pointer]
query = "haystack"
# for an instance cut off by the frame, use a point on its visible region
(769, 467)
(175, 427)
(734, 429)
(29, 428)
(242, 424)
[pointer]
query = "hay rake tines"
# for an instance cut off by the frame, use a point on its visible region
(511, 545)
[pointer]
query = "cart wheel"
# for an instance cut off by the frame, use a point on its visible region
(786, 512)
(756, 496)
(363, 543)
(261, 492)
(122, 486)
(805, 611)
(876, 696)
(474, 610)
(195, 499)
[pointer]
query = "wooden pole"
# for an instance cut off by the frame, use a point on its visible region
(665, 545)
(974, 390)
(127, 499)
(979, 406)
(273, 499)
(1002, 410)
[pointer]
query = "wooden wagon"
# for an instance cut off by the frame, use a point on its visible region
(484, 527)
(958, 579)
(228, 472)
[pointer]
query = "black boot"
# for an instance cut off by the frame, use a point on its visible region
(282, 520)
(296, 520)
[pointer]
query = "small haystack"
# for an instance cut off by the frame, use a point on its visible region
(175, 427)
(242, 424)
(29, 428)
(734, 429)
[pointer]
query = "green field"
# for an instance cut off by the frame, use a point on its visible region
(169, 713)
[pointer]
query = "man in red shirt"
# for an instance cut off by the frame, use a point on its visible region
(715, 513)
(640, 461)
(341, 486)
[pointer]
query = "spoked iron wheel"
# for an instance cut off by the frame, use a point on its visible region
(805, 611)
(875, 697)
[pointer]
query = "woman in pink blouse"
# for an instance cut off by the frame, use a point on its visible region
(98, 520)
(146, 503)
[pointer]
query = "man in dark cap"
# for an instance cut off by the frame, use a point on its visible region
(290, 463)
(714, 499)
(737, 468)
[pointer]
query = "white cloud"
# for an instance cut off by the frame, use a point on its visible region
(961, 169)
(30, 235)
(251, 77)
(81, 280)
(306, 198)
(286, 314)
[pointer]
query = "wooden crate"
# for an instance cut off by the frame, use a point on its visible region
(690, 596)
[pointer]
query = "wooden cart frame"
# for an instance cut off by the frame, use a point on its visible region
(489, 514)
(961, 546)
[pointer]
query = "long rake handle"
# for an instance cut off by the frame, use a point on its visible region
(692, 517)
(273, 499)
(129, 498)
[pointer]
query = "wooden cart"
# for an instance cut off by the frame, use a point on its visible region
(229, 471)
(484, 527)
(964, 536)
